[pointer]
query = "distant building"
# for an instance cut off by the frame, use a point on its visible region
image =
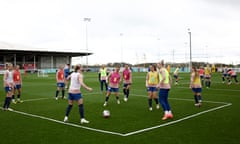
(36, 58)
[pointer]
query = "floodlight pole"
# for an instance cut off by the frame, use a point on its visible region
(190, 46)
(87, 20)
(121, 35)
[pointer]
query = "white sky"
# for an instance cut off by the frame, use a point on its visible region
(152, 29)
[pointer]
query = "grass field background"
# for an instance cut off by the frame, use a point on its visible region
(39, 118)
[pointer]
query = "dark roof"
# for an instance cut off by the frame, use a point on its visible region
(42, 52)
(12, 48)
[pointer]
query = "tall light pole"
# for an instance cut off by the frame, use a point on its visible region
(121, 35)
(190, 46)
(87, 20)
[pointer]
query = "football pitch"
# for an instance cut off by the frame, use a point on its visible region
(39, 119)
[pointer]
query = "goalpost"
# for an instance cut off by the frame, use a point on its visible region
(42, 73)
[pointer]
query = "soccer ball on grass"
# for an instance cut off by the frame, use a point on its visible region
(106, 113)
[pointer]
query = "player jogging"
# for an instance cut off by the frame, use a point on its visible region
(9, 86)
(74, 93)
(164, 85)
(152, 80)
(224, 74)
(114, 81)
(195, 85)
(207, 72)
(175, 74)
(232, 74)
(103, 77)
(60, 78)
(17, 84)
(127, 81)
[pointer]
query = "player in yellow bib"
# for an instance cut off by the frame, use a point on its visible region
(103, 77)
(195, 85)
(152, 81)
(207, 72)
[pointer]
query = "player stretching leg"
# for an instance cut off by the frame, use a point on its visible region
(114, 81)
(152, 81)
(74, 93)
(127, 81)
(232, 74)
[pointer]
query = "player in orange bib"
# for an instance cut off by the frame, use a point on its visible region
(18, 84)
(60, 82)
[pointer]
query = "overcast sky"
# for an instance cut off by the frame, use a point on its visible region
(132, 31)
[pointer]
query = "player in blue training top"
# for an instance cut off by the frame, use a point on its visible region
(66, 74)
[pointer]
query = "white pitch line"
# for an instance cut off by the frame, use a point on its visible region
(37, 99)
(130, 133)
(70, 124)
(182, 99)
(176, 121)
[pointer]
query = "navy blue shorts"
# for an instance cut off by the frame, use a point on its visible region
(8, 89)
(125, 85)
(76, 96)
(152, 89)
(110, 89)
(61, 84)
(197, 90)
(18, 86)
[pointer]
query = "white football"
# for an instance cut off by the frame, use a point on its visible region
(106, 113)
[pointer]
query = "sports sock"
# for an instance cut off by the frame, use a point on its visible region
(8, 102)
(81, 110)
(5, 103)
(18, 96)
(57, 91)
(156, 100)
(63, 92)
(195, 98)
(68, 109)
(199, 97)
(13, 97)
(124, 91)
(106, 99)
(150, 102)
(128, 91)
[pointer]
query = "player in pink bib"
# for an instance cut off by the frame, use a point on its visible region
(114, 81)
(127, 81)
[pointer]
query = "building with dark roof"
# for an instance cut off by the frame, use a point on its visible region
(40, 58)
